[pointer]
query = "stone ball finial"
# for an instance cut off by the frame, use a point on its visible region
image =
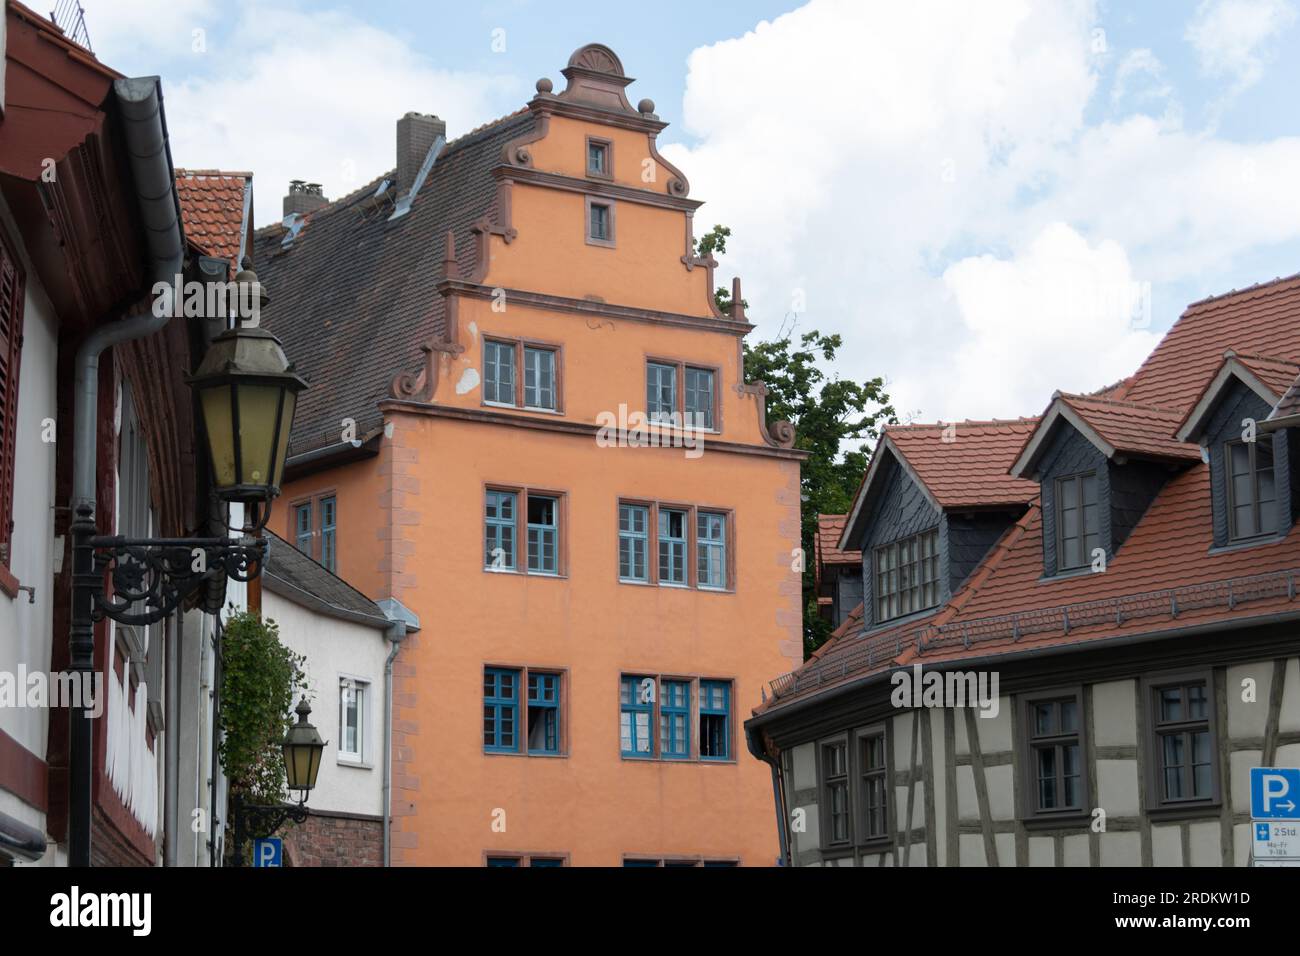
(544, 85)
(647, 105)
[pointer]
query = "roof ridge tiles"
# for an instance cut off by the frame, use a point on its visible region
(223, 173)
(1260, 357)
(1257, 287)
(1123, 403)
(987, 422)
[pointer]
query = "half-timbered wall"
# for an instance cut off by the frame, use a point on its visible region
(958, 796)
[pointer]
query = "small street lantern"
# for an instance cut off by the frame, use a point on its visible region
(302, 752)
(248, 393)
(303, 747)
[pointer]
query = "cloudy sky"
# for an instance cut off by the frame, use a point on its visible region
(988, 201)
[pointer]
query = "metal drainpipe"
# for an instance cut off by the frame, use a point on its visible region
(140, 102)
(395, 634)
(782, 817)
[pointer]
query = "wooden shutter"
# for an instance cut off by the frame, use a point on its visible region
(11, 344)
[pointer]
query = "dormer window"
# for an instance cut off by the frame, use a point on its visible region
(1077, 523)
(907, 575)
(1252, 497)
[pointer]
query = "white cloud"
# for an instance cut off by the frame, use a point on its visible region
(1140, 81)
(292, 95)
(1053, 300)
(898, 163)
(1230, 36)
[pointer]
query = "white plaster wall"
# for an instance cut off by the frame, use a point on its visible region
(1114, 714)
(337, 648)
(1204, 843)
(1167, 845)
(1042, 851)
(1247, 718)
(1117, 787)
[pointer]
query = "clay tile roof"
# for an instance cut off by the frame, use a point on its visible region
(829, 529)
(353, 295)
(972, 468)
(212, 210)
(1261, 320)
(1166, 577)
(1290, 403)
(1134, 429)
(1277, 374)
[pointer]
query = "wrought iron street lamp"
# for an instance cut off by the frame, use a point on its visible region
(248, 394)
(302, 747)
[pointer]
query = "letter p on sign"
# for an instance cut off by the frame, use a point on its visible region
(1275, 793)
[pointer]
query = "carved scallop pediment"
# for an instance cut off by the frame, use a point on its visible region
(597, 58)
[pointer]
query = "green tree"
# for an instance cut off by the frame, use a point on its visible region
(834, 420)
(259, 680)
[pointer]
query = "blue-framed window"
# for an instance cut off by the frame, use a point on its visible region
(715, 720)
(699, 398)
(546, 861)
(633, 542)
(504, 861)
(675, 719)
(302, 527)
(539, 377)
(543, 713)
(711, 550)
(636, 720)
(543, 534)
(328, 548)
(661, 392)
(499, 530)
(501, 710)
(672, 547)
(499, 372)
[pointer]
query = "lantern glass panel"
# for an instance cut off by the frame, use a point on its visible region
(259, 406)
(221, 443)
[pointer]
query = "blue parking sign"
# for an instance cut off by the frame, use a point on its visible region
(268, 851)
(1275, 793)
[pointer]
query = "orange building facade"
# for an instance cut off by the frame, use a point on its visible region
(565, 480)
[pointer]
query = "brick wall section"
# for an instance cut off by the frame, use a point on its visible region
(334, 840)
(399, 461)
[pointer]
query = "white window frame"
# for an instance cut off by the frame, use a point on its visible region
(361, 686)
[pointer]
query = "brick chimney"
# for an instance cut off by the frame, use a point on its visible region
(303, 198)
(416, 132)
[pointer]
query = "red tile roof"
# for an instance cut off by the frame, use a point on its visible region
(965, 463)
(1277, 374)
(1264, 319)
(1133, 429)
(827, 542)
(212, 210)
(1166, 575)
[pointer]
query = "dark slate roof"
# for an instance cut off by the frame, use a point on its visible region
(296, 577)
(352, 295)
